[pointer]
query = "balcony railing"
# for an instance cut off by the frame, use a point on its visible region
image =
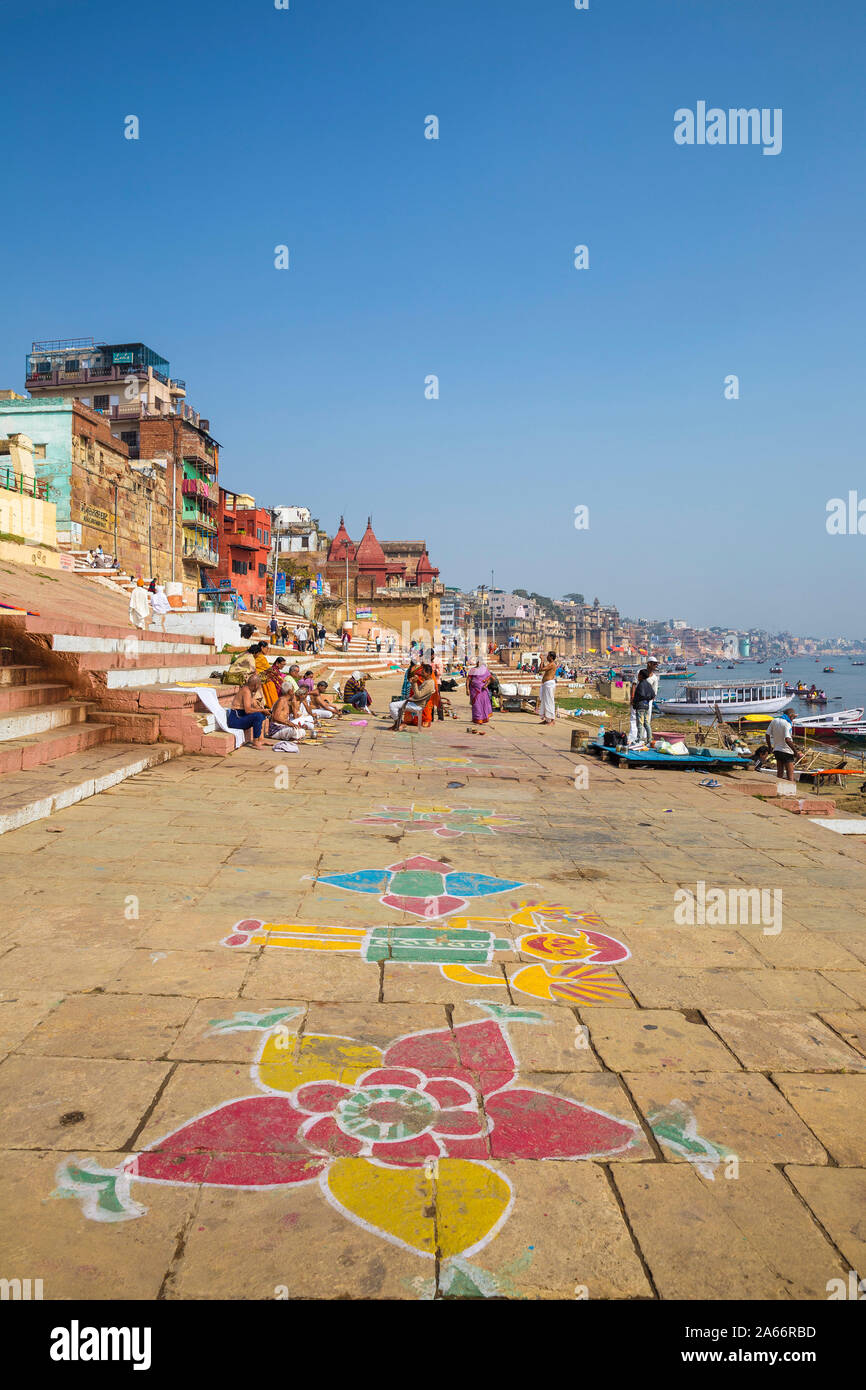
(202, 553)
(27, 487)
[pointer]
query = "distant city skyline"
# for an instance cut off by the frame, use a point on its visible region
(607, 387)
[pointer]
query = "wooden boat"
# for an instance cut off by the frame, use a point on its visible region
(676, 675)
(775, 670)
(742, 697)
(827, 669)
(707, 758)
(853, 733)
(829, 721)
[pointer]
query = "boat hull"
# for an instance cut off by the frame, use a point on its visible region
(727, 707)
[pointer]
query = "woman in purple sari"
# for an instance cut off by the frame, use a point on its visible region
(476, 688)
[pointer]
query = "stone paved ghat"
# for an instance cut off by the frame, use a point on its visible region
(420, 1015)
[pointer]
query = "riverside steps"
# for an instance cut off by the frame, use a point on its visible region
(416, 1015)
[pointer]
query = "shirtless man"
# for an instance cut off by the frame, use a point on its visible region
(284, 722)
(321, 706)
(547, 703)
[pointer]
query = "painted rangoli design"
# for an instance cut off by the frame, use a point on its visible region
(447, 822)
(547, 951)
(371, 1128)
(420, 886)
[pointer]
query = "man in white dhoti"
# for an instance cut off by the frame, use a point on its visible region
(547, 704)
(139, 606)
(159, 605)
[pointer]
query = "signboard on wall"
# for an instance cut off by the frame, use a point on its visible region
(94, 516)
(363, 612)
(121, 357)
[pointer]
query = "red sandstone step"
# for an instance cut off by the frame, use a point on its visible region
(159, 698)
(11, 674)
(146, 661)
(22, 755)
(77, 628)
(803, 805)
(20, 697)
(129, 726)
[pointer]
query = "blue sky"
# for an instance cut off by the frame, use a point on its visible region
(412, 257)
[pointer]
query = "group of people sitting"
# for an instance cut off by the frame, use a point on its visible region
(420, 699)
(273, 696)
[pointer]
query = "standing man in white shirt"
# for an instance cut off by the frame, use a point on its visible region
(779, 737)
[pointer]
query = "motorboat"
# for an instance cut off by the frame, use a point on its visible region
(775, 670)
(744, 697)
(827, 669)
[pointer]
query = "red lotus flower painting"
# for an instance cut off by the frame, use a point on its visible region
(370, 1126)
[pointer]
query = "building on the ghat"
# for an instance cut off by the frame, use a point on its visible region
(244, 547)
(102, 497)
(28, 517)
(144, 481)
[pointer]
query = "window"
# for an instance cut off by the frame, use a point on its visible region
(101, 402)
(258, 533)
(263, 569)
(129, 437)
(43, 368)
(71, 364)
(240, 566)
(266, 540)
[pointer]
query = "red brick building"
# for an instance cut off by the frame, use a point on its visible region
(244, 545)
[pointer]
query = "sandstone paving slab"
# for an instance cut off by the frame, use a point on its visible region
(552, 1041)
(851, 1026)
(747, 1238)
(425, 984)
(304, 975)
(233, 1030)
(837, 1196)
(125, 1026)
(783, 1041)
(669, 987)
(853, 983)
(378, 1025)
(565, 1238)
(218, 973)
(834, 1108)
(273, 1234)
(801, 950)
(64, 1102)
(696, 947)
(655, 1040)
(20, 1012)
(76, 1257)
(853, 941)
(63, 967)
(188, 930)
(797, 989)
(705, 1118)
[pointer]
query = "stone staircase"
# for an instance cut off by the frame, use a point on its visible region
(54, 749)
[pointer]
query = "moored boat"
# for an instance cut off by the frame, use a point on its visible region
(829, 721)
(742, 697)
(707, 758)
